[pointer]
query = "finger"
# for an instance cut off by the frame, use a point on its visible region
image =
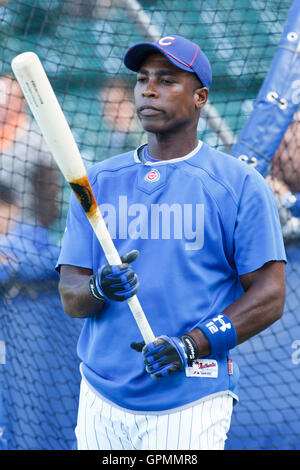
(161, 362)
(161, 372)
(164, 371)
(171, 369)
(126, 293)
(122, 287)
(130, 257)
(156, 358)
(119, 278)
(157, 366)
(137, 346)
(129, 278)
(155, 346)
(116, 270)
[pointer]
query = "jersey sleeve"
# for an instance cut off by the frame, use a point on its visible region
(77, 241)
(258, 234)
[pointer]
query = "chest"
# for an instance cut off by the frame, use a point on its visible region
(164, 203)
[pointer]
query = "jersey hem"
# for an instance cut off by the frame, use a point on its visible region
(160, 412)
(245, 269)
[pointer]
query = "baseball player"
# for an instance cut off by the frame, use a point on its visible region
(200, 240)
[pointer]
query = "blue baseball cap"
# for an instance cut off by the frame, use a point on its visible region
(183, 53)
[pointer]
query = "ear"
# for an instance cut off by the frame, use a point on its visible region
(200, 97)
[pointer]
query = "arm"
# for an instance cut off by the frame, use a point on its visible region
(77, 300)
(257, 239)
(116, 283)
(261, 305)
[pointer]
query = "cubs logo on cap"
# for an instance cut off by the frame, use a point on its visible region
(152, 176)
(181, 52)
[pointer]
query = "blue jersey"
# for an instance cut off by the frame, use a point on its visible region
(199, 222)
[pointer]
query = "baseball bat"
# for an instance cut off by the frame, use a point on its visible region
(54, 127)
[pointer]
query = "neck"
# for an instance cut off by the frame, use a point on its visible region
(169, 146)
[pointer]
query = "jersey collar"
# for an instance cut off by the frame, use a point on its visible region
(140, 158)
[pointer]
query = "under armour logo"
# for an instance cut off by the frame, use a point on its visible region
(213, 328)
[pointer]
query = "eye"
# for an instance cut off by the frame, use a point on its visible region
(141, 79)
(167, 81)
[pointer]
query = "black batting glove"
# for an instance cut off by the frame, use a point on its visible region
(116, 282)
(167, 354)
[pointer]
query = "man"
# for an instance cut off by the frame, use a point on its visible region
(284, 179)
(22, 147)
(26, 267)
(210, 272)
(26, 251)
(285, 163)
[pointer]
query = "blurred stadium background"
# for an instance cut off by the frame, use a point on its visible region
(81, 44)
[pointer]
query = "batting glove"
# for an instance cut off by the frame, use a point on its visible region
(116, 282)
(167, 354)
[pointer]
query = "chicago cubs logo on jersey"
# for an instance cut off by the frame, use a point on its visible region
(152, 176)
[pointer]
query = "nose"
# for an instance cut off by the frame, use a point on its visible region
(150, 90)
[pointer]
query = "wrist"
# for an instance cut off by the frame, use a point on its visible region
(190, 347)
(201, 341)
(95, 289)
(220, 333)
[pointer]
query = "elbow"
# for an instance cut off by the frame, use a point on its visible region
(68, 304)
(76, 305)
(278, 296)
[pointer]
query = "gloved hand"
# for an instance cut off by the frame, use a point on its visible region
(167, 354)
(116, 282)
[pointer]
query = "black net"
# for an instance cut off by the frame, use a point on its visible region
(81, 44)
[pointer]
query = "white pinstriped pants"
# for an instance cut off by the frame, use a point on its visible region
(103, 426)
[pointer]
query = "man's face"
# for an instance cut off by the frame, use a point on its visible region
(164, 96)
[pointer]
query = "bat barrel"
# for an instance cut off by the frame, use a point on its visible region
(47, 112)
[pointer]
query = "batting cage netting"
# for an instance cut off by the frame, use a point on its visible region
(254, 47)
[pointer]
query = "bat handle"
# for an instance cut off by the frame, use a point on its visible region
(140, 319)
(113, 257)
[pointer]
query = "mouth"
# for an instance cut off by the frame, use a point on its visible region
(148, 111)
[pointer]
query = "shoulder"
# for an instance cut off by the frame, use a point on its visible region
(221, 163)
(110, 165)
(228, 172)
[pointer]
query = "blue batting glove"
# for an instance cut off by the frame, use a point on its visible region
(116, 282)
(167, 354)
